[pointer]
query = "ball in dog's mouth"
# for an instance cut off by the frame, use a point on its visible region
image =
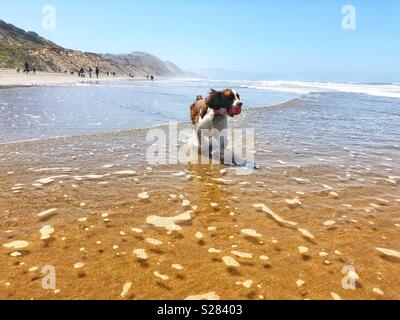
(235, 110)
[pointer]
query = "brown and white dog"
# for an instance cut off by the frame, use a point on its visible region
(212, 113)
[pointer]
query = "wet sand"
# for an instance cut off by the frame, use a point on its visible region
(231, 237)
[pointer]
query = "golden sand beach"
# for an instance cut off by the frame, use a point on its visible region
(10, 77)
(113, 227)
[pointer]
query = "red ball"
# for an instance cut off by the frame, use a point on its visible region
(235, 111)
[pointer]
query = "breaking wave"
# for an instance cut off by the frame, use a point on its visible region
(299, 87)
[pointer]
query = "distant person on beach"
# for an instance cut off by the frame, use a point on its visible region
(26, 67)
(81, 72)
(108, 73)
(97, 72)
(152, 78)
(90, 71)
(34, 68)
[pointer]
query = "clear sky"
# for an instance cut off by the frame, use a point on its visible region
(288, 39)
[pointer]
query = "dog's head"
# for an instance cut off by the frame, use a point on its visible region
(225, 102)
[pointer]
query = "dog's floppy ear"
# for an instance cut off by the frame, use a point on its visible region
(215, 93)
(214, 100)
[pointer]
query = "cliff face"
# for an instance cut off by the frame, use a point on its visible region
(146, 63)
(18, 46)
(11, 36)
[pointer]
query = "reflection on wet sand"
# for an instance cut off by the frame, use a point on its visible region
(114, 227)
(88, 217)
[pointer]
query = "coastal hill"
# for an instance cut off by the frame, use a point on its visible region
(18, 46)
(146, 63)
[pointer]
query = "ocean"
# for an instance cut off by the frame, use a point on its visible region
(49, 111)
(301, 121)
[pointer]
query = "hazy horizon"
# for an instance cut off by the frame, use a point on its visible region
(285, 40)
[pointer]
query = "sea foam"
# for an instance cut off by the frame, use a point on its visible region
(380, 90)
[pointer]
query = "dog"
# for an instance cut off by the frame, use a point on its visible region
(212, 114)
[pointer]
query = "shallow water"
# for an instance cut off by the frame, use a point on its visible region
(334, 155)
(331, 128)
(98, 213)
(42, 112)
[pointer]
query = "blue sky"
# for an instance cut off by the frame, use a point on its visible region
(287, 39)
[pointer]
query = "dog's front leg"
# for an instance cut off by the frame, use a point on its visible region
(203, 144)
(198, 137)
(222, 149)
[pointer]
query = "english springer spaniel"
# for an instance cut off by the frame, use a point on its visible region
(210, 115)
